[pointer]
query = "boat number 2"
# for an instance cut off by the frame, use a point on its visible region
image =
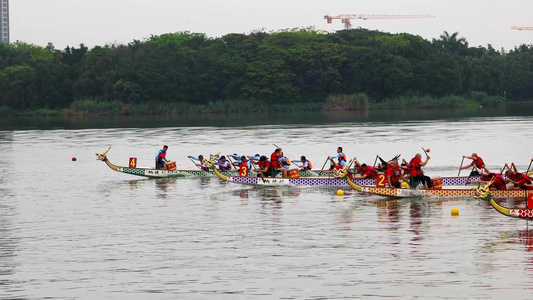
(380, 181)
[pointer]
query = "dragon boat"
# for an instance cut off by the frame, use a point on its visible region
(338, 178)
(278, 181)
(484, 193)
(443, 191)
(162, 173)
(151, 172)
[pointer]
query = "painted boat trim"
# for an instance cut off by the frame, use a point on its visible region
(450, 191)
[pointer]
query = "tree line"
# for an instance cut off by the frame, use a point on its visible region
(291, 66)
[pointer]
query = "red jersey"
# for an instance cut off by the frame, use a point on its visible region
(274, 162)
(264, 164)
(522, 181)
(498, 181)
(370, 172)
(394, 174)
(478, 162)
(414, 166)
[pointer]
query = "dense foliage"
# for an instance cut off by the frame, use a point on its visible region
(261, 69)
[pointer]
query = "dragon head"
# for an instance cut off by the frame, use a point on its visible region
(102, 156)
(211, 162)
(343, 173)
(483, 192)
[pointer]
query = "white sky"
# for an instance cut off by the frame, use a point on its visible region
(101, 22)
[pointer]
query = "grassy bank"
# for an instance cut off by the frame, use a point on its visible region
(353, 102)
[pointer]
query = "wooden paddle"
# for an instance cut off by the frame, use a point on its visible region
(324, 164)
(424, 151)
(501, 170)
(529, 166)
(195, 163)
(461, 166)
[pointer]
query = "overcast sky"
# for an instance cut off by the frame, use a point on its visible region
(101, 22)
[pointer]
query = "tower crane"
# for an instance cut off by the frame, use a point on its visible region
(522, 28)
(347, 17)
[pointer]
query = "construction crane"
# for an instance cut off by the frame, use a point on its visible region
(522, 28)
(347, 17)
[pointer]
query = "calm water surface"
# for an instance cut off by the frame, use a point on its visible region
(77, 230)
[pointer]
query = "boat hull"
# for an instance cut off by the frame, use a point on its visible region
(446, 191)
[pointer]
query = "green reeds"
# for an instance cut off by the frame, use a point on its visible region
(347, 102)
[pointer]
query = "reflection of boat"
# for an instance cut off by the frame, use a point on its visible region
(484, 193)
(445, 191)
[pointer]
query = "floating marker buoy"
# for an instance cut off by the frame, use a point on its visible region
(74, 159)
(340, 193)
(455, 211)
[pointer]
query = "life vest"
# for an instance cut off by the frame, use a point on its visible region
(286, 162)
(370, 172)
(525, 178)
(161, 156)
(247, 164)
(203, 166)
(478, 162)
(264, 164)
(342, 158)
(499, 182)
(414, 170)
(226, 166)
(274, 162)
(309, 165)
(395, 177)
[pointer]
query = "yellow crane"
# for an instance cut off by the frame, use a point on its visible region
(522, 28)
(347, 17)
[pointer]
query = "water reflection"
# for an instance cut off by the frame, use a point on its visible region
(162, 186)
(224, 120)
(388, 211)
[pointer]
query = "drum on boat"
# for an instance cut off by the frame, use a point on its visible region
(436, 182)
(295, 173)
(171, 166)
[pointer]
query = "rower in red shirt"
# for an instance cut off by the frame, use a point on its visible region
(477, 163)
(499, 183)
(365, 171)
(416, 171)
(394, 174)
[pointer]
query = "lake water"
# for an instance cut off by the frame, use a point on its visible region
(78, 230)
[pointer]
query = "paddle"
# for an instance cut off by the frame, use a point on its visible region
(501, 170)
(470, 175)
(195, 163)
(461, 166)
(529, 166)
(231, 161)
(375, 160)
(324, 164)
(424, 151)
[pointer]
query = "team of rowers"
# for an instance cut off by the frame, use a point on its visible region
(395, 173)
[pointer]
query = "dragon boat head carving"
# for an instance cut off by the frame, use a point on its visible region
(102, 156)
(483, 192)
(211, 162)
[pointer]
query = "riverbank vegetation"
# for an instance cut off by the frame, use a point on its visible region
(290, 70)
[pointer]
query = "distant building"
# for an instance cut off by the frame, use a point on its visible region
(4, 25)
